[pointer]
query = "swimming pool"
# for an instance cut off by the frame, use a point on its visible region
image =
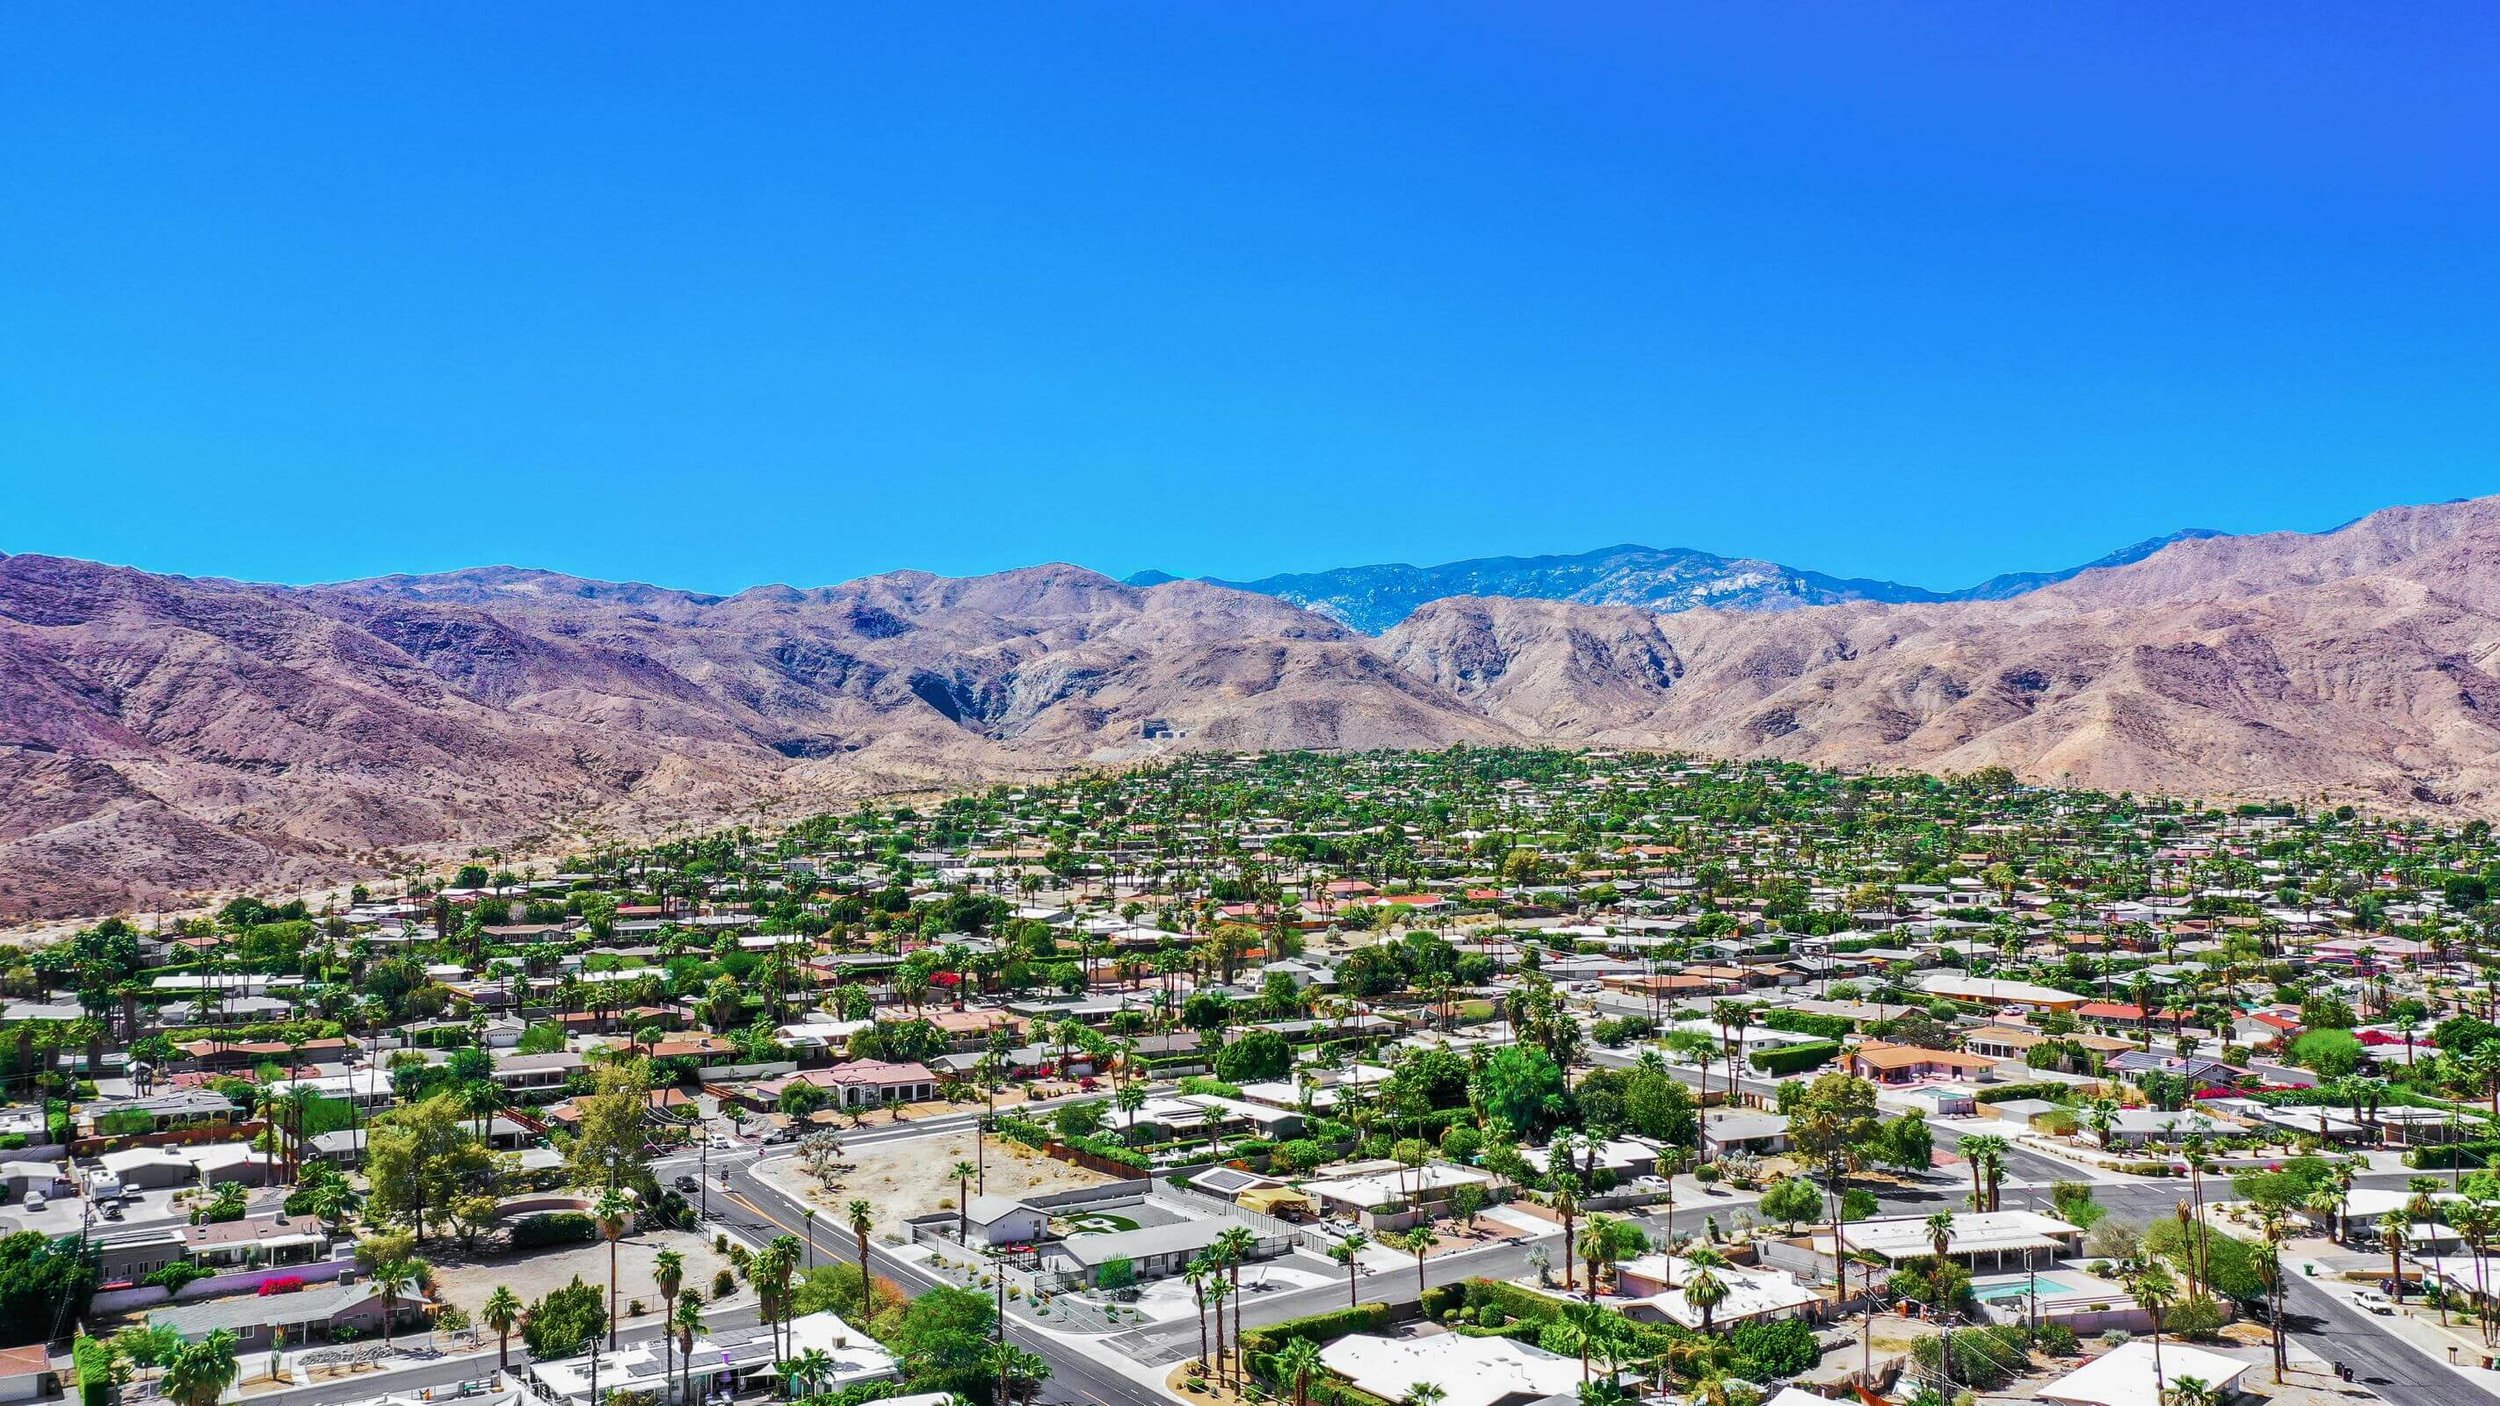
(2051, 1286)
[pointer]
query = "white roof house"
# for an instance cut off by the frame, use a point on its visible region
(1751, 1293)
(1903, 1238)
(2125, 1375)
(1470, 1371)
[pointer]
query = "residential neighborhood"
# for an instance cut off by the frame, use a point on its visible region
(1485, 1076)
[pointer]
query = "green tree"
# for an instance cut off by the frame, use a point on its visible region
(43, 1287)
(502, 1312)
(201, 1372)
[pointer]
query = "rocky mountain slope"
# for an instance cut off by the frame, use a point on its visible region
(1668, 580)
(161, 736)
(2357, 665)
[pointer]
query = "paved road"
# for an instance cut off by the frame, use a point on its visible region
(2389, 1365)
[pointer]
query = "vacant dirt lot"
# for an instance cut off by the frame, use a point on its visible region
(468, 1281)
(908, 1178)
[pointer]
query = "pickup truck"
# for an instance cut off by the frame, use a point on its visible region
(2372, 1301)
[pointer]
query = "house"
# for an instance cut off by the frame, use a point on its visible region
(314, 1311)
(1469, 1371)
(26, 1374)
(2127, 1376)
(992, 1221)
(1907, 1064)
(1380, 1196)
(1726, 1130)
(1991, 1235)
(1654, 1283)
(1153, 1252)
(1999, 994)
(255, 1241)
(733, 1361)
(865, 1083)
(531, 1076)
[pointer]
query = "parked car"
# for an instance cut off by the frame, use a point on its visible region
(687, 1183)
(2371, 1300)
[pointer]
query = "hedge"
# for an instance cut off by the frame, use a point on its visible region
(1829, 1027)
(2453, 1154)
(558, 1228)
(2054, 1093)
(1789, 1059)
(1319, 1328)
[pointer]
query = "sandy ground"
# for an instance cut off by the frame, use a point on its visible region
(467, 1282)
(907, 1178)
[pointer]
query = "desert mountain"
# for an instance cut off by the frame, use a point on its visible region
(1667, 580)
(2356, 665)
(162, 736)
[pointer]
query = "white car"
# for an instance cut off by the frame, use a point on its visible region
(2372, 1301)
(36, 1201)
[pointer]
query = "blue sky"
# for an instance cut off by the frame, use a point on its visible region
(794, 294)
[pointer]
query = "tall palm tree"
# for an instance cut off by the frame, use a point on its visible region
(1231, 1248)
(688, 1321)
(668, 1274)
(611, 1211)
(502, 1312)
(2191, 1391)
(1196, 1276)
(2391, 1232)
(1344, 1253)
(862, 1216)
(963, 1173)
(1425, 1394)
(1217, 1291)
(1417, 1242)
(2154, 1291)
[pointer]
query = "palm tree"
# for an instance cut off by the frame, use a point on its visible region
(2391, 1232)
(611, 1211)
(1566, 1206)
(963, 1173)
(688, 1321)
(1705, 1291)
(1297, 1360)
(1231, 1248)
(2191, 1391)
(1217, 1290)
(2327, 1203)
(862, 1215)
(668, 1273)
(1425, 1394)
(199, 1373)
(2155, 1291)
(807, 1223)
(1417, 1242)
(1020, 1373)
(394, 1279)
(1344, 1252)
(502, 1312)
(1196, 1276)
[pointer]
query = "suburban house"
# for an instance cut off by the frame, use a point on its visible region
(1908, 1064)
(867, 1082)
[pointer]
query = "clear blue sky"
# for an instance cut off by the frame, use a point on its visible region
(714, 297)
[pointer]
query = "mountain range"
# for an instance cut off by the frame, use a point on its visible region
(1668, 579)
(164, 737)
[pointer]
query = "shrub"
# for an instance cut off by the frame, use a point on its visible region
(2002, 1093)
(559, 1324)
(558, 1228)
(1789, 1059)
(1828, 1027)
(1984, 1359)
(2198, 1318)
(2058, 1340)
(173, 1276)
(1768, 1349)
